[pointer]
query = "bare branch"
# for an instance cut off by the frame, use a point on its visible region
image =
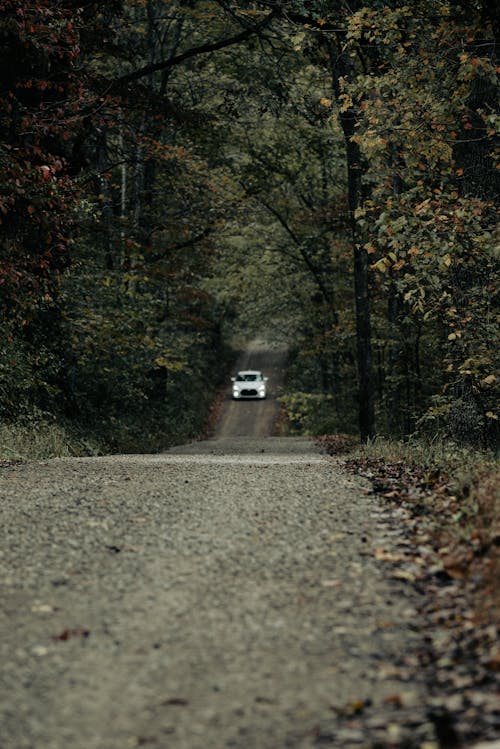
(202, 49)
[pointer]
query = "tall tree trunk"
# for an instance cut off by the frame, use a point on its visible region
(103, 190)
(394, 361)
(123, 177)
(366, 413)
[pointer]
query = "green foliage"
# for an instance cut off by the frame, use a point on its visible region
(429, 223)
(105, 320)
(137, 371)
(146, 219)
(309, 413)
(36, 195)
(444, 455)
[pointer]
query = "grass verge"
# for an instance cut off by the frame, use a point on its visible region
(459, 489)
(41, 440)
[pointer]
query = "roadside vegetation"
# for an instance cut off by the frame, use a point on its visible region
(455, 489)
(447, 501)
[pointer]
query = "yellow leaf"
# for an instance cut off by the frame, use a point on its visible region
(489, 380)
(346, 102)
(380, 265)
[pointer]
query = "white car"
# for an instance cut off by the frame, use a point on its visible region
(249, 384)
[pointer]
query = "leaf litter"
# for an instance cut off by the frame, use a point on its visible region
(454, 565)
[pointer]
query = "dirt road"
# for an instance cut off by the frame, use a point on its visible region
(254, 418)
(225, 594)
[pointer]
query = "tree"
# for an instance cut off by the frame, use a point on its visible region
(429, 229)
(168, 164)
(42, 110)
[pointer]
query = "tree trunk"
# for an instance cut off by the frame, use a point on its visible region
(103, 190)
(394, 362)
(361, 284)
(348, 120)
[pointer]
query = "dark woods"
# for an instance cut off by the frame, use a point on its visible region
(172, 173)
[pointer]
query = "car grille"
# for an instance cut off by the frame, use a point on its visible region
(249, 391)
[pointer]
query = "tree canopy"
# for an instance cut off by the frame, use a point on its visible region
(173, 172)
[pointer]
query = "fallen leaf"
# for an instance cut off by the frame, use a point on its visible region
(389, 556)
(493, 659)
(404, 575)
(66, 634)
(357, 706)
(385, 624)
(394, 699)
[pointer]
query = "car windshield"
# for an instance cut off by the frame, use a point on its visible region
(244, 377)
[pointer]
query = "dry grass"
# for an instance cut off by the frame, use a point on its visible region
(40, 440)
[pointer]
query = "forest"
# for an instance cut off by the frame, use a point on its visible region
(178, 176)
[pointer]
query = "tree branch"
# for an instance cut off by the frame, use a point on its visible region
(155, 257)
(316, 274)
(195, 51)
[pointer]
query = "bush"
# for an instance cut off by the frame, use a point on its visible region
(309, 413)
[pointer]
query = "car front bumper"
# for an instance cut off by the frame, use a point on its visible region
(248, 393)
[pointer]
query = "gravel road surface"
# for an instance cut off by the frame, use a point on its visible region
(224, 594)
